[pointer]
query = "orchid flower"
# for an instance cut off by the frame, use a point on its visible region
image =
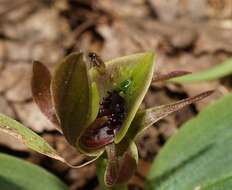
(96, 106)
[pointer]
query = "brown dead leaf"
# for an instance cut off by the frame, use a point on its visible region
(5, 107)
(192, 9)
(130, 8)
(39, 35)
(11, 75)
(213, 40)
(31, 116)
(117, 42)
(20, 91)
(34, 31)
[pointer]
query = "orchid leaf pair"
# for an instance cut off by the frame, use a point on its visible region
(95, 105)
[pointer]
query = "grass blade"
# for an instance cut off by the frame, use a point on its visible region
(215, 72)
(16, 174)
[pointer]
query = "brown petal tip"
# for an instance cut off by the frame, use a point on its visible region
(182, 103)
(202, 95)
(155, 114)
(173, 74)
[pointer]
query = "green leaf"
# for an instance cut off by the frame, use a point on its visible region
(216, 72)
(40, 85)
(27, 136)
(131, 75)
(71, 92)
(32, 140)
(16, 174)
(222, 184)
(199, 154)
(101, 168)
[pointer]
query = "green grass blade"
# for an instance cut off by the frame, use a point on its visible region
(222, 184)
(216, 72)
(16, 174)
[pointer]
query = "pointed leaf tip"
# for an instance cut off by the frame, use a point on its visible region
(173, 74)
(155, 114)
(27, 136)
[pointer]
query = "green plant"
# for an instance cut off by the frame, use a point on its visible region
(218, 71)
(96, 106)
(199, 156)
(16, 174)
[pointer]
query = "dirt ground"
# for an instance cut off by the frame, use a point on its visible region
(185, 34)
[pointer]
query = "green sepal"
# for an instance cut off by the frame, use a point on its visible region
(72, 93)
(131, 77)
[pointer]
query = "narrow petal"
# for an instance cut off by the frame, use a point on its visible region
(173, 74)
(40, 85)
(146, 118)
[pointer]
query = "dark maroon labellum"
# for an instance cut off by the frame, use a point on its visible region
(109, 120)
(113, 108)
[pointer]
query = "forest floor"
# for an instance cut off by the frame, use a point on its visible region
(184, 35)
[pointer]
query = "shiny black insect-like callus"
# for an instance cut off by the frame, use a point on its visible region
(109, 120)
(113, 107)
